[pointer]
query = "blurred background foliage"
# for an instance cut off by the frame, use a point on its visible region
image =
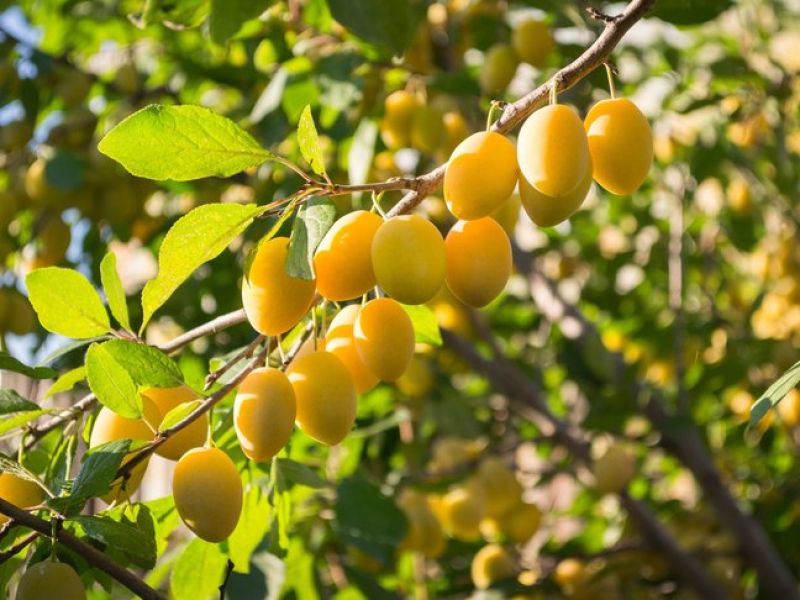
(694, 278)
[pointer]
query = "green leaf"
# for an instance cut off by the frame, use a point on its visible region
(308, 140)
(181, 143)
(426, 328)
(689, 12)
(198, 572)
(67, 381)
(98, 471)
(12, 402)
(111, 383)
(252, 528)
(147, 366)
(113, 289)
(300, 474)
(228, 16)
(367, 519)
(9, 465)
(194, 239)
(9, 363)
(67, 303)
(179, 413)
(67, 348)
(19, 419)
(178, 15)
(389, 23)
(313, 221)
(128, 531)
(775, 393)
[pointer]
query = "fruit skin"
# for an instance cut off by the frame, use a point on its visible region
(399, 110)
(469, 193)
(491, 564)
(547, 211)
(507, 214)
(532, 42)
(326, 396)
(478, 261)
(190, 437)
(20, 492)
(409, 259)
(499, 485)
(109, 427)
(52, 243)
(418, 379)
(342, 261)
(499, 68)
(18, 316)
(427, 129)
(521, 522)
(552, 150)
(263, 413)
(461, 511)
(384, 338)
(274, 301)
(614, 469)
(49, 579)
(339, 341)
(208, 493)
(424, 530)
(621, 145)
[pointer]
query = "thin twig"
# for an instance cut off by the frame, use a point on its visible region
(18, 547)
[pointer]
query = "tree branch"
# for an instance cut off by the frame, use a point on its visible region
(94, 556)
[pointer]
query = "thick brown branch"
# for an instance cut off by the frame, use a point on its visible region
(94, 556)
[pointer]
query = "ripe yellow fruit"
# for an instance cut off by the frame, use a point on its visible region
(190, 437)
(570, 573)
(456, 129)
(417, 380)
(468, 191)
(552, 150)
(52, 242)
(19, 316)
(533, 42)
(339, 341)
(461, 511)
(49, 579)
(109, 427)
(547, 211)
(499, 485)
(621, 145)
(274, 301)
(614, 469)
(343, 262)
(424, 530)
(499, 68)
(399, 110)
(521, 522)
(478, 261)
(409, 259)
(38, 188)
(507, 214)
(23, 493)
(788, 408)
(208, 493)
(491, 564)
(427, 129)
(325, 395)
(384, 338)
(263, 413)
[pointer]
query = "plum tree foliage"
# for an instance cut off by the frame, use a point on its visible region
(410, 298)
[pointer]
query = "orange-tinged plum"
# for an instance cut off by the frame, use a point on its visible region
(552, 150)
(491, 564)
(274, 301)
(461, 511)
(533, 42)
(208, 493)
(621, 145)
(23, 493)
(480, 176)
(399, 110)
(326, 396)
(109, 427)
(50, 579)
(409, 259)
(263, 413)
(478, 261)
(507, 214)
(342, 262)
(192, 436)
(339, 341)
(547, 211)
(384, 338)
